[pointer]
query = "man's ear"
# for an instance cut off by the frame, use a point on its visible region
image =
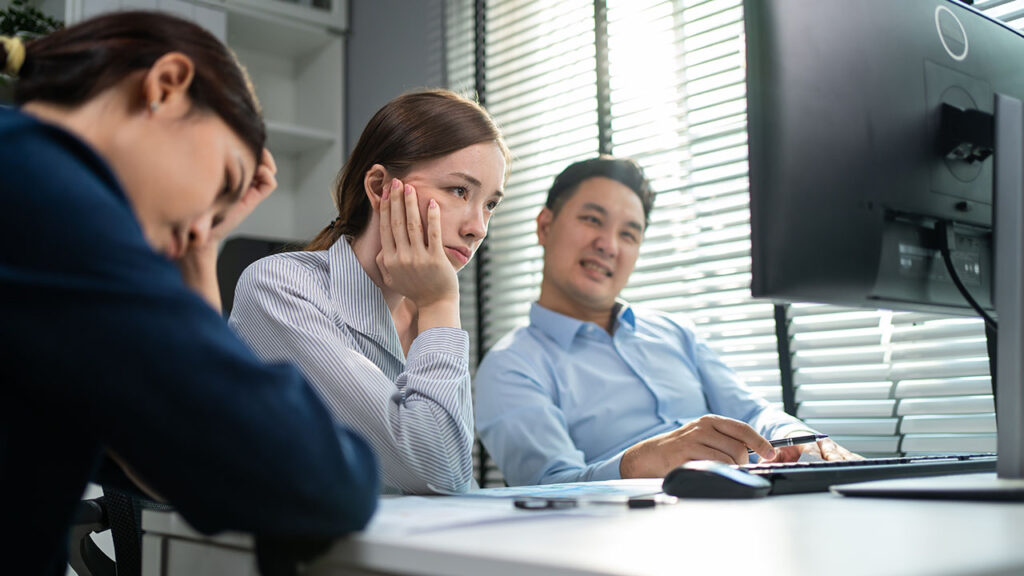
(373, 184)
(544, 220)
(166, 83)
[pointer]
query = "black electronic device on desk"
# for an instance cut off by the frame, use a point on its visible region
(706, 479)
(799, 477)
(709, 479)
(886, 145)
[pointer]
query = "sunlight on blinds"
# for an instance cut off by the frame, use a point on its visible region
(678, 107)
(541, 88)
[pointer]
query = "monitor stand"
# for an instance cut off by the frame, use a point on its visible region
(1008, 225)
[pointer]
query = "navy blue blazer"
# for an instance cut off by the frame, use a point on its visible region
(103, 348)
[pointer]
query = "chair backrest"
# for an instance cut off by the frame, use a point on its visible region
(237, 253)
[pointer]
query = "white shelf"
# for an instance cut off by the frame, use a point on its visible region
(330, 13)
(255, 31)
(294, 56)
(285, 138)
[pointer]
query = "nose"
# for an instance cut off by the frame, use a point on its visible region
(474, 225)
(199, 230)
(606, 243)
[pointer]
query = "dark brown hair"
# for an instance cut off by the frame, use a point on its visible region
(73, 65)
(626, 171)
(412, 128)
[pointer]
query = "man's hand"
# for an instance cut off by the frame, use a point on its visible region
(825, 449)
(709, 437)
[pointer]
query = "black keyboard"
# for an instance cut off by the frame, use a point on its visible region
(797, 477)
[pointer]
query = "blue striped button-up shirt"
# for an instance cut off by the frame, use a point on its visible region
(560, 400)
(322, 312)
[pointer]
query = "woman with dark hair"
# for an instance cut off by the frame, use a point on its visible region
(137, 144)
(370, 311)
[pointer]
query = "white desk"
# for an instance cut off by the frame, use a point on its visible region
(790, 535)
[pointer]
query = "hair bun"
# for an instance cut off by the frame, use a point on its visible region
(14, 54)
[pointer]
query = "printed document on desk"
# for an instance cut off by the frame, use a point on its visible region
(606, 489)
(405, 515)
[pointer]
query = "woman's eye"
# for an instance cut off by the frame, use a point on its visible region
(492, 205)
(460, 191)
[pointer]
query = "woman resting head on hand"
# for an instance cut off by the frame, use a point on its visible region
(137, 140)
(370, 311)
(173, 114)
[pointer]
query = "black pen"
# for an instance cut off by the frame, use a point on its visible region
(540, 503)
(794, 440)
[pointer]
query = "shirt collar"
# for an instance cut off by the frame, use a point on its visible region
(563, 329)
(359, 302)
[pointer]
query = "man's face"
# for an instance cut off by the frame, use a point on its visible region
(590, 246)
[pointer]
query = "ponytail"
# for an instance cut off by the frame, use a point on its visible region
(13, 51)
(327, 237)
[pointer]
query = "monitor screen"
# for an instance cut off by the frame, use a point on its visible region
(848, 173)
(879, 134)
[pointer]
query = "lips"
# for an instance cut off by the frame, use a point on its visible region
(596, 267)
(461, 254)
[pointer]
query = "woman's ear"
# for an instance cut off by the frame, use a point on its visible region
(373, 183)
(166, 83)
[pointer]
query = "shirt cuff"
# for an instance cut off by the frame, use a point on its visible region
(440, 340)
(795, 430)
(607, 470)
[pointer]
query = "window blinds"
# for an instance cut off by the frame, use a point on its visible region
(541, 88)
(678, 107)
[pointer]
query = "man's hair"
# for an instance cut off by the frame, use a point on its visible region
(623, 170)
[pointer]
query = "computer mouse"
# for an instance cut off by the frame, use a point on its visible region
(709, 479)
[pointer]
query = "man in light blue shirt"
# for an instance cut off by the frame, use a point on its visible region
(594, 389)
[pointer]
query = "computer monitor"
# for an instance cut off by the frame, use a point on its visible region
(882, 132)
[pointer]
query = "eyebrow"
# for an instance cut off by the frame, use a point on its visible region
(601, 210)
(474, 182)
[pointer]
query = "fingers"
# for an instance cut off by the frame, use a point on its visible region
(398, 217)
(788, 453)
(727, 448)
(832, 451)
(387, 238)
(707, 452)
(264, 182)
(412, 218)
(382, 265)
(434, 227)
(742, 432)
(267, 159)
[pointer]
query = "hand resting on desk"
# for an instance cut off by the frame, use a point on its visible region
(710, 437)
(825, 449)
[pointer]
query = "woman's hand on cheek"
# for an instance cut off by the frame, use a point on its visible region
(264, 182)
(413, 264)
(198, 265)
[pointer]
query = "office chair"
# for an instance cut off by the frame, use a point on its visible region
(119, 512)
(236, 254)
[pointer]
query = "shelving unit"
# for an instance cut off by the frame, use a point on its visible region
(293, 52)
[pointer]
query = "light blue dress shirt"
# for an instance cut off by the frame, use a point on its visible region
(560, 400)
